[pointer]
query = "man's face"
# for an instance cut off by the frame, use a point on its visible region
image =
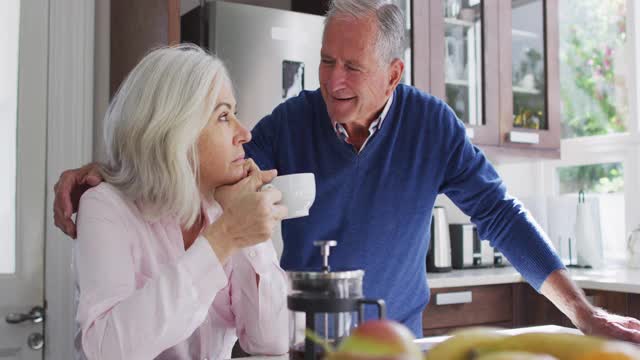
(354, 82)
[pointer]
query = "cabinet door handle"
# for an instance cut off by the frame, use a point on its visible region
(524, 137)
(460, 297)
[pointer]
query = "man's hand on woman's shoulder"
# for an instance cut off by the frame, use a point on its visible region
(68, 190)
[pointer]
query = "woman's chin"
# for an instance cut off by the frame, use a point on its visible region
(235, 175)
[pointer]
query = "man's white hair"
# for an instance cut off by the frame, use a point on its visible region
(152, 127)
(390, 41)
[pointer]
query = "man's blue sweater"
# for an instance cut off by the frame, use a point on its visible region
(377, 203)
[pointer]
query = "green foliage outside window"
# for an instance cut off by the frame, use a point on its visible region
(598, 178)
(592, 85)
(592, 40)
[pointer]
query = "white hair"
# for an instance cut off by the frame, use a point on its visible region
(390, 39)
(152, 127)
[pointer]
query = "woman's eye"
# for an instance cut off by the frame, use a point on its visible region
(223, 117)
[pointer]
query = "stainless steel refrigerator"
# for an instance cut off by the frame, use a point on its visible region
(271, 54)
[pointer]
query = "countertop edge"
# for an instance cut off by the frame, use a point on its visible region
(610, 279)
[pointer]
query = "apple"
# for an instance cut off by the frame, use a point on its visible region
(378, 339)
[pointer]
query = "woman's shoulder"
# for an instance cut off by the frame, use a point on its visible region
(105, 199)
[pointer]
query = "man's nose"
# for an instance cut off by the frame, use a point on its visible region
(337, 79)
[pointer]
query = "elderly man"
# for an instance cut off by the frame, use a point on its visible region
(381, 153)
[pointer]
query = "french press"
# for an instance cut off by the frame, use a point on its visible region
(328, 303)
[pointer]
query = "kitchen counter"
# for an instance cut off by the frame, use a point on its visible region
(429, 342)
(611, 278)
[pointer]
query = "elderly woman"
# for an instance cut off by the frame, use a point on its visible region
(172, 261)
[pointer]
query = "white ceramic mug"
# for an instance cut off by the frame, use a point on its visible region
(298, 192)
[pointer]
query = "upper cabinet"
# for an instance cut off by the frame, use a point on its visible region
(495, 62)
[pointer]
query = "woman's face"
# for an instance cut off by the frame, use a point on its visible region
(220, 149)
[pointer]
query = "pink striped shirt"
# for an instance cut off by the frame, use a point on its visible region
(143, 296)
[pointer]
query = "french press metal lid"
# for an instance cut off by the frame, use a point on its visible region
(327, 303)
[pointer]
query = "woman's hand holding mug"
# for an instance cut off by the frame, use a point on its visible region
(249, 215)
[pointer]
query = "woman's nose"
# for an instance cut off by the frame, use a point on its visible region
(243, 135)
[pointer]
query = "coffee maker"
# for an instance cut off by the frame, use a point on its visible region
(328, 304)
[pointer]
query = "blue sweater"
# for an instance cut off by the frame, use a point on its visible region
(377, 203)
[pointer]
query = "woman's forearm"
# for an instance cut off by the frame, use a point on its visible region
(259, 290)
(141, 323)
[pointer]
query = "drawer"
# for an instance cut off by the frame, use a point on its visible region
(466, 306)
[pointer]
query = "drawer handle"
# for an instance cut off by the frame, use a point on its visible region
(524, 137)
(461, 297)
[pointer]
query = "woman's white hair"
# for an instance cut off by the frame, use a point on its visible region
(152, 127)
(390, 41)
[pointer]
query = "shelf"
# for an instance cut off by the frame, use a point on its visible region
(458, 22)
(524, 34)
(521, 90)
(457, 82)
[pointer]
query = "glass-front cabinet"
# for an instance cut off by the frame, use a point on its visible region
(463, 65)
(530, 112)
(527, 65)
(495, 63)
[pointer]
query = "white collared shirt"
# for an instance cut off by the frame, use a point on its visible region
(375, 125)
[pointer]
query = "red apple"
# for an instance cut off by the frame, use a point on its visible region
(378, 339)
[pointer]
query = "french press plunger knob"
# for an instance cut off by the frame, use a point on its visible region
(325, 251)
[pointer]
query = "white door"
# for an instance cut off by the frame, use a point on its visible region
(23, 109)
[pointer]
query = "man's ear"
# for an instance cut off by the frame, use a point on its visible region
(395, 74)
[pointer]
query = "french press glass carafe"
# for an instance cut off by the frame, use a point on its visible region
(328, 303)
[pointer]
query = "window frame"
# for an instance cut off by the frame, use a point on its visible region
(623, 148)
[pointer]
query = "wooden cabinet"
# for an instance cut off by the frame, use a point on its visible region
(136, 28)
(453, 308)
(498, 72)
(510, 305)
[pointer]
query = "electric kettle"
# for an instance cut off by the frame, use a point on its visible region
(439, 255)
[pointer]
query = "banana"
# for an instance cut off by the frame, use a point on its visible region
(462, 343)
(514, 355)
(562, 346)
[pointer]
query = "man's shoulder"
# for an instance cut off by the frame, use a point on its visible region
(415, 97)
(305, 103)
(424, 108)
(297, 111)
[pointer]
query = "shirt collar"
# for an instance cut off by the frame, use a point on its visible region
(375, 125)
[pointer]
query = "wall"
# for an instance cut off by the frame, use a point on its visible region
(522, 180)
(101, 75)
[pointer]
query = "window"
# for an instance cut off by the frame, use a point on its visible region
(604, 184)
(601, 144)
(598, 178)
(594, 71)
(9, 21)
